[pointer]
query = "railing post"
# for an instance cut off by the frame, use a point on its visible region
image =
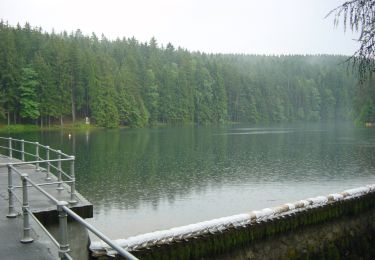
(23, 150)
(63, 229)
(11, 212)
(26, 237)
(37, 155)
(48, 176)
(59, 175)
(10, 147)
(73, 183)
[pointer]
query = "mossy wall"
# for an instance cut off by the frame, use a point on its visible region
(340, 230)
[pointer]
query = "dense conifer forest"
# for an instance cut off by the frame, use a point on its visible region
(64, 77)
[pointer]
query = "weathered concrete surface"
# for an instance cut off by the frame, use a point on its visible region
(44, 209)
(11, 232)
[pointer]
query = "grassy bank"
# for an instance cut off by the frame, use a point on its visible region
(30, 128)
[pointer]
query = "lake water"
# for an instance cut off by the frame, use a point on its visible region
(142, 180)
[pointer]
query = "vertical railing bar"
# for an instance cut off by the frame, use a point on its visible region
(37, 155)
(63, 229)
(48, 176)
(10, 147)
(23, 150)
(73, 183)
(26, 236)
(59, 176)
(11, 212)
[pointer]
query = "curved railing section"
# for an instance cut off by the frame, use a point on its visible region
(52, 161)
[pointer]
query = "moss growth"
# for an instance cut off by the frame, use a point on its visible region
(219, 244)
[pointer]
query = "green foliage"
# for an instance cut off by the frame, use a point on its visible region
(365, 101)
(55, 77)
(104, 110)
(28, 98)
(359, 16)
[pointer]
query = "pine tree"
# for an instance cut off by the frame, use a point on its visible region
(28, 97)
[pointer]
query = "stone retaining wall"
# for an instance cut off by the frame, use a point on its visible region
(338, 226)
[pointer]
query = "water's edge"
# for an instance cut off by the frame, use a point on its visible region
(342, 225)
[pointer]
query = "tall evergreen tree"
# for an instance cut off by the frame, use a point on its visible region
(29, 106)
(125, 82)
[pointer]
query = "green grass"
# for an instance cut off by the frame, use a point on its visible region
(76, 126)
(18, 128)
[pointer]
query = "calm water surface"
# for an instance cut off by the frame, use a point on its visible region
(142, 180)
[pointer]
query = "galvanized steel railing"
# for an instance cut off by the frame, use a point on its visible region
(52, 166)
(62, 206)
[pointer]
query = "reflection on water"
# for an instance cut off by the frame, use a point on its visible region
(141, 180)
(262, 132)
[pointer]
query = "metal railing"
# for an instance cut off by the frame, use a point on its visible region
(52, 161)
(63, 210)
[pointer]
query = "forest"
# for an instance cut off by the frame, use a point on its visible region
(59, 78)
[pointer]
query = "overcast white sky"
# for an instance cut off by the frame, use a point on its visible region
(213, 26)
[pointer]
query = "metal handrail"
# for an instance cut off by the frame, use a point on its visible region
(63, 210)
(54, 241)
(57, 169)
(37, 145)
(43, 184)
(38, 161)
(25, 176)
(103, 237)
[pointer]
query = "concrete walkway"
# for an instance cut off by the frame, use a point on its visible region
(10, 235)
(11, 228)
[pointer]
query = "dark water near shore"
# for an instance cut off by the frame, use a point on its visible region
(142, 180)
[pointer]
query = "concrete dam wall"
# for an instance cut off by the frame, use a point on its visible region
(337, 226)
